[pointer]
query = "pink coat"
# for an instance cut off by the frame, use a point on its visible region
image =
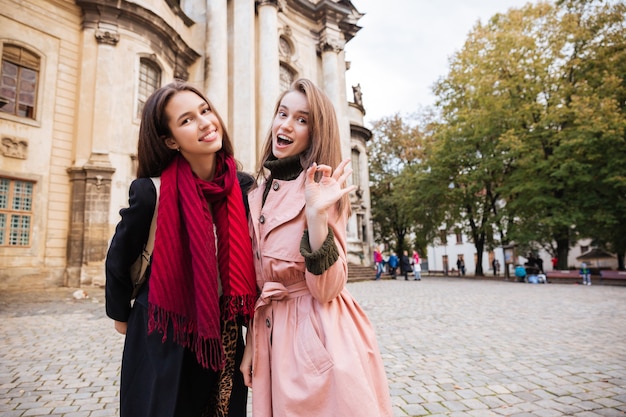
(315, 351)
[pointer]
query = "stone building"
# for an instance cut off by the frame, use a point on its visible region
(75, 75)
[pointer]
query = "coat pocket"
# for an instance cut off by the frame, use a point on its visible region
(315, 357)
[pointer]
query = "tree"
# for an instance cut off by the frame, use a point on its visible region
(395, 145)
(528, 108)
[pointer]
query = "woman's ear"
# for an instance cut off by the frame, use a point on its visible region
(171, 143)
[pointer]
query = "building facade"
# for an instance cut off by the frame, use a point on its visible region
(443, 255)
(75, 75)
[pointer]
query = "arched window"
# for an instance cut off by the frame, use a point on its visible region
(149, 81)
(18, 85)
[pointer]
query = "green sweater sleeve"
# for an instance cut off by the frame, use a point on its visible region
(319, 261)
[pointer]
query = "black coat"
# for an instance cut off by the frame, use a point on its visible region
(405, 264)
(158, 379)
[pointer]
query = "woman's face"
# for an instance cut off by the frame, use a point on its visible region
(290, 130)
(195, 128)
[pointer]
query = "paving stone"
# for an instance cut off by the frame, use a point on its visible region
(451, 347)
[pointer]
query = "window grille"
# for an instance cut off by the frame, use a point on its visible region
(16, 212)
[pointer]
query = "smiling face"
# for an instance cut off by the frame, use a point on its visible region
(195, 129)
(290, 130)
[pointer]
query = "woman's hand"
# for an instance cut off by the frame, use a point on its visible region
(121, 326)
(246, 361)
(322, 195)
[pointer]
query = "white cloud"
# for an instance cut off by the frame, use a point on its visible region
(404, 47)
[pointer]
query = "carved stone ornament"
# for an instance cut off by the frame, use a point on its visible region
(14, 148)
(107, 37)
(331, 45)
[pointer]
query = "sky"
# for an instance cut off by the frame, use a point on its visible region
(404, 47)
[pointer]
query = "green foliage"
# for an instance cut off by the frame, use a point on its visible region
(530, 144)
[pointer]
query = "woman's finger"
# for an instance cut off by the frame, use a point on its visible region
(340, 168)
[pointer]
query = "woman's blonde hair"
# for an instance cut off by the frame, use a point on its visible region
(325, 145)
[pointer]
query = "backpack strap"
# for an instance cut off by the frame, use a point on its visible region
(147, 251)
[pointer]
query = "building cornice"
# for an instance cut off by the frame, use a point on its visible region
(106, 18)
(337, 12)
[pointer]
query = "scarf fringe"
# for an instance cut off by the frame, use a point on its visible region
(209, 351)
(238, 306)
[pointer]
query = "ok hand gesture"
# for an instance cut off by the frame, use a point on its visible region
(321, 195)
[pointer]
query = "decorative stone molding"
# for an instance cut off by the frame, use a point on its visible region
(266, 3)
(104, 16)
(175, 6)
(106, 37)
(331, 45)
(14, 147)
(341, 14)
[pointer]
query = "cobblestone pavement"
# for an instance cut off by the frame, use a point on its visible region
(452, 347)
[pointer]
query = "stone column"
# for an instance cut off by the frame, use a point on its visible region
(89, 223)
(330, 49)
(269, 67)
(242, 96)
(216, 52)
(92, 171)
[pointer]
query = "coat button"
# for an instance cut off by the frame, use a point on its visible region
(276, 186)
(262, 219)
(268, 323)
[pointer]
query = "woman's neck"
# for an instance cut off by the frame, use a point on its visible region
(203, 167)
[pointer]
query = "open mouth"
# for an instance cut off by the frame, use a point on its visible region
(283, 140)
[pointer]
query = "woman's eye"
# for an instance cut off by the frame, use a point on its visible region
(302, 120)
(206, 110)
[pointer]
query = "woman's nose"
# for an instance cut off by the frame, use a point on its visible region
(287, 124)
(205, 121)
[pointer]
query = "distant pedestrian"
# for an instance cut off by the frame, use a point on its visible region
(417, 268)
(393, 264)
(460, 265)
(539, 263)
(555, 263)
(405, 265)
(493, 266)
(585, 274)
(378, 263)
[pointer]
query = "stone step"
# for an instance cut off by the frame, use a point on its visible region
(360, 272)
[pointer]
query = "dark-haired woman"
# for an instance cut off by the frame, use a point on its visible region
(183, 338)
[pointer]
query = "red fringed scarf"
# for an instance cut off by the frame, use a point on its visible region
(185, 271)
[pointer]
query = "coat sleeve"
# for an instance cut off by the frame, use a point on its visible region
(127, 244)
(245, 182)
(327, 280)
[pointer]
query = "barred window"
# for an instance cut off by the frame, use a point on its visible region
(356, 168)
(16, 212)
(149, 81)
(18, 85)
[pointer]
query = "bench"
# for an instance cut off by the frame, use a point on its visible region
(614, 276)
(567, 273)
(563, 275)
(436, 272)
